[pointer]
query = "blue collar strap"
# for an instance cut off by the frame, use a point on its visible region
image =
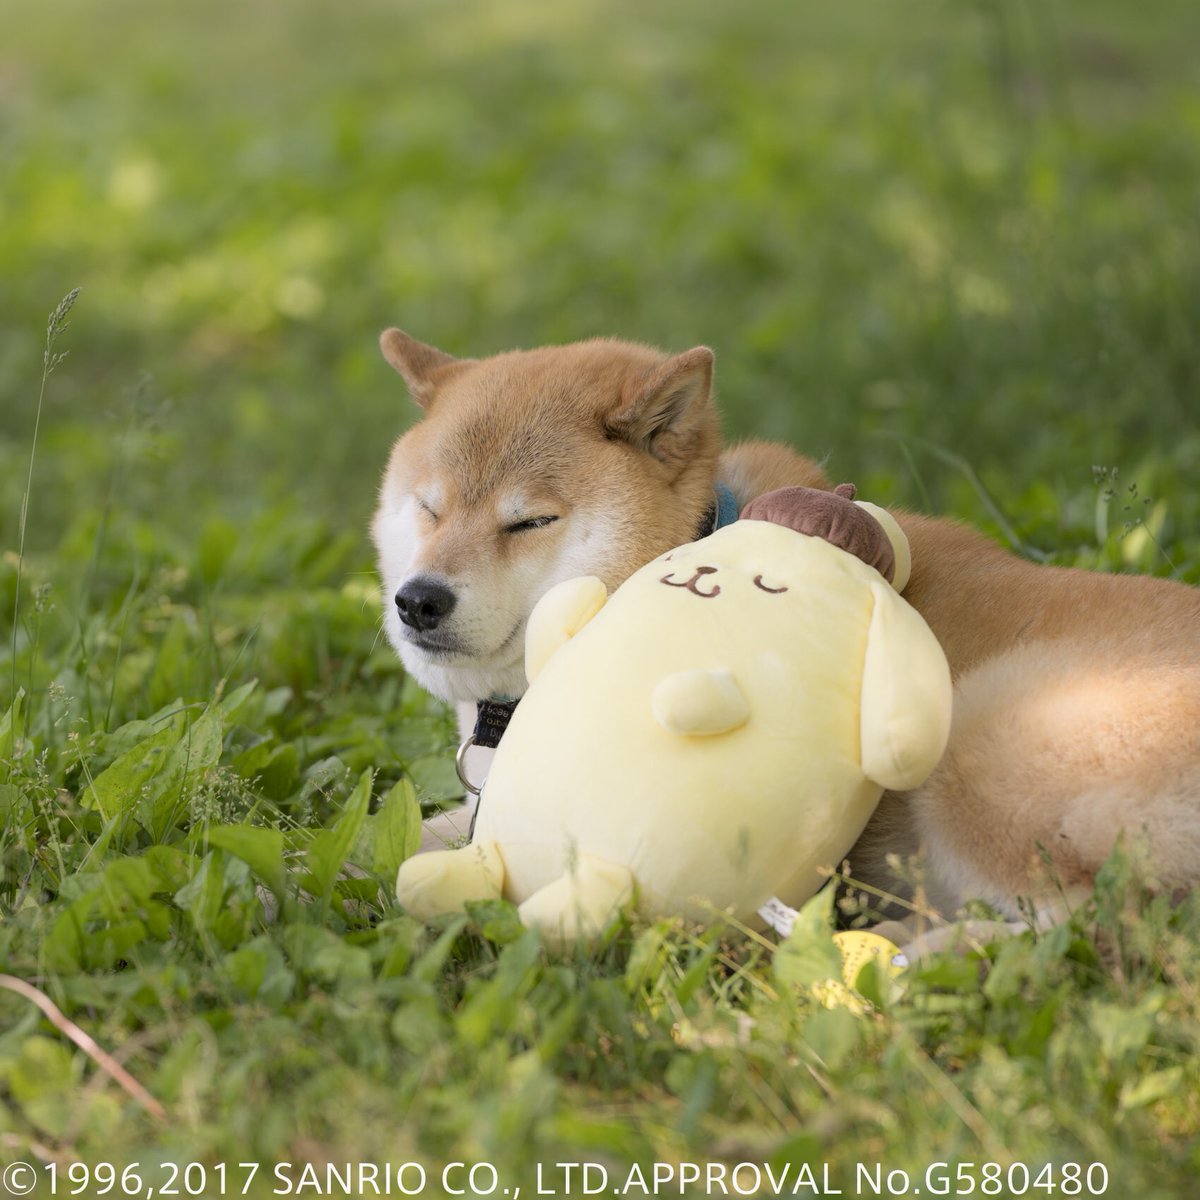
(721, 512)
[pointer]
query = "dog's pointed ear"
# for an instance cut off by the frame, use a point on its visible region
(663, 409)
(422, 367)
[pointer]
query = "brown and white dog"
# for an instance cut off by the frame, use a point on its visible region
(1077, 695)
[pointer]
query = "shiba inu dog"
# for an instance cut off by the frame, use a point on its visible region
(1077, 695)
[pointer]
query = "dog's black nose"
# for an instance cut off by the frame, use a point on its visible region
(424, 603)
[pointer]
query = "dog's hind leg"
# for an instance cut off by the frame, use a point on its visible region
(1051, 761)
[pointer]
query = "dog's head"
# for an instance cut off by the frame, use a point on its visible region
(526, 469)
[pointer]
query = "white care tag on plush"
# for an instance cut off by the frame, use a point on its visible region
(779, 916)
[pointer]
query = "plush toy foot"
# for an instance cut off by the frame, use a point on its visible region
(578, 905)
(444, 880)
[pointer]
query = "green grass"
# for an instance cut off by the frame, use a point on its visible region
(951, 247)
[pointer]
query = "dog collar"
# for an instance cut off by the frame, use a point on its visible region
(491, 720)
(721, 512)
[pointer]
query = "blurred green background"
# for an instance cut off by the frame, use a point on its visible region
(966, 226)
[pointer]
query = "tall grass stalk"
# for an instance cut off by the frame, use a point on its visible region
(56, 326)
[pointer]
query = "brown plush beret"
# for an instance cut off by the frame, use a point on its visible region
(832, 516)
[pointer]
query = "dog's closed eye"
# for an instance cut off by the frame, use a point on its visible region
(529, 523)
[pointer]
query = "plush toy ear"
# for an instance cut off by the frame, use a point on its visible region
(901, 553)
(906, 691)
(662, 409)
(422, 367)
(558, 616)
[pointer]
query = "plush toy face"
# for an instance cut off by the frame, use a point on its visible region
(714, 735)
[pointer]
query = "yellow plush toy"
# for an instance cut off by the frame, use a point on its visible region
(710, 736)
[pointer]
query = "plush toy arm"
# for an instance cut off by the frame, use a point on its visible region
(699, 703)
(906, 693)
(558, 616)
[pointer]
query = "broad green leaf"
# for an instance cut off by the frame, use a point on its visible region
(204, 893)
(1122, 1031)
(105, 748)
(323, 776)
(328, 849)
(118, 788)
(399, 939)
(230, 706)
(497, 920)
(66, 944)
(198, 749)
(171, 867)
(834, 1033)
(648, 957)
(429, 966)
(809, 954)
(12, 801)
(395, 831)
(280, 777)
(220, 899)
(1149, 1089)
(435, 777)
(260, 849)
(517, 960)
(127, 881)
(418, 1021)
(81, 937)
(491, 1010)
(115, 910)
(10, 726)
(43, 1081)
(258, 971)
(251, 762)
(324, 957)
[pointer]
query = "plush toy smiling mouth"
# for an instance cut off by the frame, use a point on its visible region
(692, 584)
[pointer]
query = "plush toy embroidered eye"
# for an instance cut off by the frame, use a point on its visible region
(707, 745)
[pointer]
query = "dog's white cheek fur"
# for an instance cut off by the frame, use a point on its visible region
(585, 550)
(492, 603)
(396, 538)
(495, 602)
